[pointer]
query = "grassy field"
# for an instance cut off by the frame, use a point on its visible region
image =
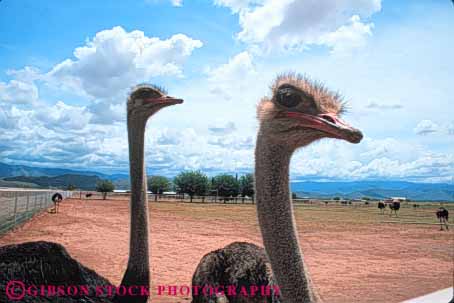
(352, 254)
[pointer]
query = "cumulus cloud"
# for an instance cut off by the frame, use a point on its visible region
(298, 24)
(230, 79)
(426, 127)
(49, 133)
(114, 60)
(18, 92)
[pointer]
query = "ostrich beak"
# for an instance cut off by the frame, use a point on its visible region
(164, 101)
(329, 124)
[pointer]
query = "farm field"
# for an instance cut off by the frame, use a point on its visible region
(352, 254)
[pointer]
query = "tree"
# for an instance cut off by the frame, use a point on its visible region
(158, 184)
(225, 185)
(336, 198)
(70, 187)
(191, 183)
(247, 185)
(105, 186)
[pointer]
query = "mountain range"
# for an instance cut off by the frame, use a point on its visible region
(375, 190)
(27, 176)
(7, 170)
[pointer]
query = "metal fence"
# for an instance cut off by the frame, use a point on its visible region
(18, 206)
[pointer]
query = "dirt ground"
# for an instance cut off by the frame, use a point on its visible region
(352, 255)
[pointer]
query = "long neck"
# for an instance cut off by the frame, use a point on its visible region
(138, 270)
(277, 221)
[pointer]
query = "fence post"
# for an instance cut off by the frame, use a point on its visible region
(15, 208)
(28, 202)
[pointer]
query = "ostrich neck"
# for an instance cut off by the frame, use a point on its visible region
(277, 221)
(137, 272)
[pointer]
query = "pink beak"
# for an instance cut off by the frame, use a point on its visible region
(327, 123)
(164, 100)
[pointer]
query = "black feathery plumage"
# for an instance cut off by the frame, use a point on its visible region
(442, 213)
(46, 263)
(239, 264)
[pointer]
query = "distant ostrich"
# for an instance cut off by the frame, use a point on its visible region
(443, 216)
(46, 263)
(56, 198)
(381, 207)
(299, 113)
(394, 207)
(88, 195)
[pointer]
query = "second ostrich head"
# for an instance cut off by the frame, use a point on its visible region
(145, 100)
(301, 111)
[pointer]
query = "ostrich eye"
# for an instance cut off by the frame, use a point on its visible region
(288, 97)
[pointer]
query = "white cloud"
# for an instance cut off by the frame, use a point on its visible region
(347, 37)
(18, 92)
(114, 60)
(64, 116)
(230, 79)
(297, 24)
(177, 2)
(236, 5)
(426, 127)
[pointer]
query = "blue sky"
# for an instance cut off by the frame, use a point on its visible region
(66, 68)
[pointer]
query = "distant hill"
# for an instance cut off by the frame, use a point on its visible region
(17, 184)
(7, 170)
(375, 189)
(79, 181)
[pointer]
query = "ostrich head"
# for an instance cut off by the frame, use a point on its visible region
(145, 100)
(301, 111)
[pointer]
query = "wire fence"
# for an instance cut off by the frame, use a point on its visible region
(18, 206)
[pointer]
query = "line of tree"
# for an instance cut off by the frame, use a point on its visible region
(192, 183)
(196, 183)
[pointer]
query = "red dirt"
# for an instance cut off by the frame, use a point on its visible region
(365, 262)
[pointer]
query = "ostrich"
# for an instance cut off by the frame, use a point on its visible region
(46, 263)
(394, 207)
(443, 215)
(56, 198)
(381, 207)
(299, 112)
(88, 195)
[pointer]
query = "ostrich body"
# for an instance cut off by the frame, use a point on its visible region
(46, 263)
(443, 216)
(381, 207)
(394, 207)
(239, 264)
(298, 113)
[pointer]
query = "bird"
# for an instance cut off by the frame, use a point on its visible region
(381, 206)
(299, 112)
(443, 216)
(48, 263)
